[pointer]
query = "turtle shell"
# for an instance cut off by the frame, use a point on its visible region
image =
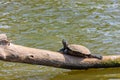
(79, 49)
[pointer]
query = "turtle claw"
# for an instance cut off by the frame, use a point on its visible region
(96, 56)
(99, 57)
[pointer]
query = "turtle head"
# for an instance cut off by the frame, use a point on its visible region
(65, 44)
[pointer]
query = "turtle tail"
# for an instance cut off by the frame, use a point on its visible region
(95, 56)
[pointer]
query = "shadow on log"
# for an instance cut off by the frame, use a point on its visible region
(17, 53)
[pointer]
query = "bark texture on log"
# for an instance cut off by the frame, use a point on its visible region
(17, 53)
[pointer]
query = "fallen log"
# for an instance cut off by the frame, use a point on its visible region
(17, 53)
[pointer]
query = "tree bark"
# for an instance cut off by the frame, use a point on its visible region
(17, 53)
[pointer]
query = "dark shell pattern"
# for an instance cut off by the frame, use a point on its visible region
(79, 49)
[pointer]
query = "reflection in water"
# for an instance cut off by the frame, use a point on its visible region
(43, 24)
(26, 71)
(91, 74)
(4, 26)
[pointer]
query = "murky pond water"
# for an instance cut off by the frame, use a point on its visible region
(44, 23)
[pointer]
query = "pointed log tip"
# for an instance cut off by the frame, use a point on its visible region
(3, 37)
(4, 40)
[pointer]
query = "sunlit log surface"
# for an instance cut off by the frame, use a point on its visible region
(17, 53)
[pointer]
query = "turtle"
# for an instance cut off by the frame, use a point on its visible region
(77, 50)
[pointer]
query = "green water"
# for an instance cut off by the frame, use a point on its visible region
(44, 23)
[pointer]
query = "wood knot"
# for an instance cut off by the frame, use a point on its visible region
(31, 56)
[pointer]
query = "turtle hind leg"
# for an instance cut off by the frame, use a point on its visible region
(95, 56)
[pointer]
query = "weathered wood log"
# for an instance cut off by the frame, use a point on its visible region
(17, 53)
